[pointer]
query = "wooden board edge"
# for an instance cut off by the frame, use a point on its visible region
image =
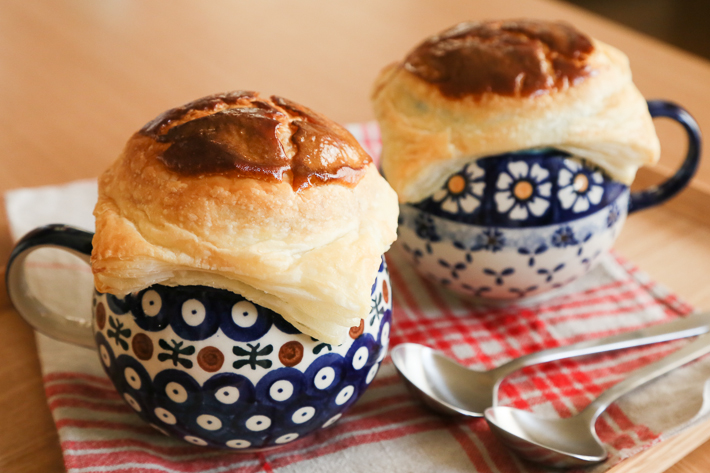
(667, 453)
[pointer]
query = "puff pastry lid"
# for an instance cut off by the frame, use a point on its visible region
(262, 197)
(485, 88)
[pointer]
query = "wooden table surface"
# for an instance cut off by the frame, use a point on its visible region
(77, 78)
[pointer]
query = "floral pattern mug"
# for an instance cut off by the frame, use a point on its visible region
(519, 224)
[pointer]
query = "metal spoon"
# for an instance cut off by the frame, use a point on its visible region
(573, 441)
(450, 388)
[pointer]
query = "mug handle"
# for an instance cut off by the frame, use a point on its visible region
(75, 241)
(660, 193)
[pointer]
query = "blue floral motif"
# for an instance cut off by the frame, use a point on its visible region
(252, 356)
(176, 353)
(426, 228)
(462, 192)
(499, 275)
(531, 187)
(523, 216)
(550, 273)
(522, 190)
(563, 237)
(533, 253)
(119, 332)
(453, 267)
(580, 186)
(491, 239)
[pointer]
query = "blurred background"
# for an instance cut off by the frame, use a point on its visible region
(682, 23)
(77, 78)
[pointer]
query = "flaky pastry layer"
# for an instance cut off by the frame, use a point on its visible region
(310, 255)
(427, 136)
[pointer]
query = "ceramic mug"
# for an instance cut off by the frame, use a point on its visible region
(519, 224)
(206, 365)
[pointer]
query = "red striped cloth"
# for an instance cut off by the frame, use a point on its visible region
(387, 430)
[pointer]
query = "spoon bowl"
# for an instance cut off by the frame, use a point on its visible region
(573, 441)
(443, 384)
(453, 389)
(561, 443)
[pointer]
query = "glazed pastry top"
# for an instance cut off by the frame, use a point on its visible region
(513, 58)
(242, 135)
(262, 197)
(485, 88)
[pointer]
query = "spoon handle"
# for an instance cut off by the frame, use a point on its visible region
(688, 353)
(683, 327)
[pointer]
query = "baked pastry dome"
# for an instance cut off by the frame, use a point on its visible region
(485, 88)
(259, 196)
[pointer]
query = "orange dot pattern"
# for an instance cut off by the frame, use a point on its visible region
(291, 353)
(100, 315)
(142, 346)
(210, 359)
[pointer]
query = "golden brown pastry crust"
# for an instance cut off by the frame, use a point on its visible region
(310, 253)
(580, 100)
(514, 58)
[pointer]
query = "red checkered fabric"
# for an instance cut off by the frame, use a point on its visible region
(387, 430)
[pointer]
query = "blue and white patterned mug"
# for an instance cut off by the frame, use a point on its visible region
(206, 365)
(519, 224)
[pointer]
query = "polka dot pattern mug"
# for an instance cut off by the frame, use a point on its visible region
(208, 366)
